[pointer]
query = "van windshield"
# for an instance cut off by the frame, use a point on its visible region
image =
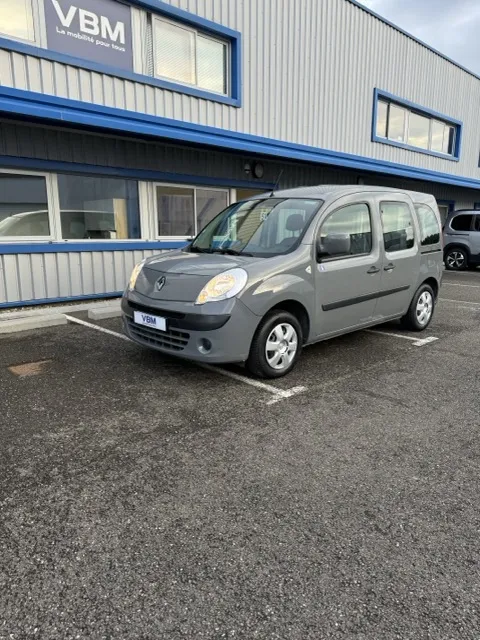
(260, 228)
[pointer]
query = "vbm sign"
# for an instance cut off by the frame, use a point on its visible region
(98, 30)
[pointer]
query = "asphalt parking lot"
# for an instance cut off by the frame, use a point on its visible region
(146, 497)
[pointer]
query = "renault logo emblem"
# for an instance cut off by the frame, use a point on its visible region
(160, 283)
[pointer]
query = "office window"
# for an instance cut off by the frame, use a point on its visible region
(93, 208)
(185, 211)
(398, 230)
(429, 225)
(17, 20)
(400, 124)
(185, 55)
(24, 210)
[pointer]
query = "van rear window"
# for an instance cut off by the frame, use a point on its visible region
(429, 226)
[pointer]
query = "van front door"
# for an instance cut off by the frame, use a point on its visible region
(401, 257)
(348, 269)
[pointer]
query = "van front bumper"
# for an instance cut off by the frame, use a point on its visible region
(217, 332)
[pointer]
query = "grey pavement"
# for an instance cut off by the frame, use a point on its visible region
(143, 497)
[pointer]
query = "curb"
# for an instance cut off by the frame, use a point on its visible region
(27, 324)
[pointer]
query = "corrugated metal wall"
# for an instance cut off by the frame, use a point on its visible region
(43, 276)
(309, 70)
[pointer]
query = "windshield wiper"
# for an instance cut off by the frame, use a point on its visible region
(232, 252)
(199, 250)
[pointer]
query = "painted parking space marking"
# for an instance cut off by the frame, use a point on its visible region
(416, 342)
(470, 302)
(455, 284)
(278, 394)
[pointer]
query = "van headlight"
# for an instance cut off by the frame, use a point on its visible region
(226, 285)
(135, 273)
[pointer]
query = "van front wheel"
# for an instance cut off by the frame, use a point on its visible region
(420, 312)
(276, 346)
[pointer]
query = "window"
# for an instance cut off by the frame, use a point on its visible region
(462, 223)
(184, 211)
(429, 226)
(351, 223)
(183, 54)
(477, 223)
(261, 228)
(16, 19)
(409, 126)
(94, 208)
(24, 210)
(476, 206)
(398, 230)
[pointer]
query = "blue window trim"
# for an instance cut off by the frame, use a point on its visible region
(62, 111)
(147, 175)
(161, 9)
(66, 246)
(32, 303)
(379, 94)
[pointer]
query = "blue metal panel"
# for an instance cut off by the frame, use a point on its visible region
(72, 111)
(378, 94)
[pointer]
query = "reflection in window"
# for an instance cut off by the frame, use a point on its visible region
(98, 208)
(418, 131)
(185, 55)
(353, 221)
(398, 230)
(210, 202)
(382, 119)
(23, 206)
(429, 227)
(16, 19)
(396, 123)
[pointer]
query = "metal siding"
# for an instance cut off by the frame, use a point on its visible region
(309, 71)
(49, 276)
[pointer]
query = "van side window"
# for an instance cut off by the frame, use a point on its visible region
(462, 223)
(346, 232)
(477, 223)
(398, 229)
(429, 226)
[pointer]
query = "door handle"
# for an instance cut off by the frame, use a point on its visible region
(389, 267)
(373, 270)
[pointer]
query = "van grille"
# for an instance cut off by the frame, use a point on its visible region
(173, 340)
(157, 312)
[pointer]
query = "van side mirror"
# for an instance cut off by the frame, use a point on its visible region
(333, 245)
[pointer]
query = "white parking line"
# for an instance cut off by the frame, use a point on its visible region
(415, 341)
(454, 284)
(476, 304)
(279, 394)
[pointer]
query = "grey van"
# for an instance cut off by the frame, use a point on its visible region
(461, 236)
(283, 270)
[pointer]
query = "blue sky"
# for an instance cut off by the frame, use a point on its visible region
(451, 26)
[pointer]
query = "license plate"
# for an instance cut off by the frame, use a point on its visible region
(156, 322)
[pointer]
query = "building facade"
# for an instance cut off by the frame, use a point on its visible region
(125, 126)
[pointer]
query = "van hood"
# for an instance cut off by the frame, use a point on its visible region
(196, 264)
(180, 276)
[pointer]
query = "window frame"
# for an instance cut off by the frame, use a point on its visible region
(182, 185)
(52, 206)
(329, 215)
(412, 108)
(196, 33)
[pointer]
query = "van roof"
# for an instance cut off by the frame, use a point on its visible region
(333, 191)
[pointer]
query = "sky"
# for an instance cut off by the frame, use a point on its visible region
(450, 26)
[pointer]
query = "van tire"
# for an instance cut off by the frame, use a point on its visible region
(257, 363)
(411, 319)
(456, 259)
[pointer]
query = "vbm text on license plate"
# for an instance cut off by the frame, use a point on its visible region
(156, 322)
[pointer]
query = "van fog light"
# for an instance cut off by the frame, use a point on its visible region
(204, 346)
